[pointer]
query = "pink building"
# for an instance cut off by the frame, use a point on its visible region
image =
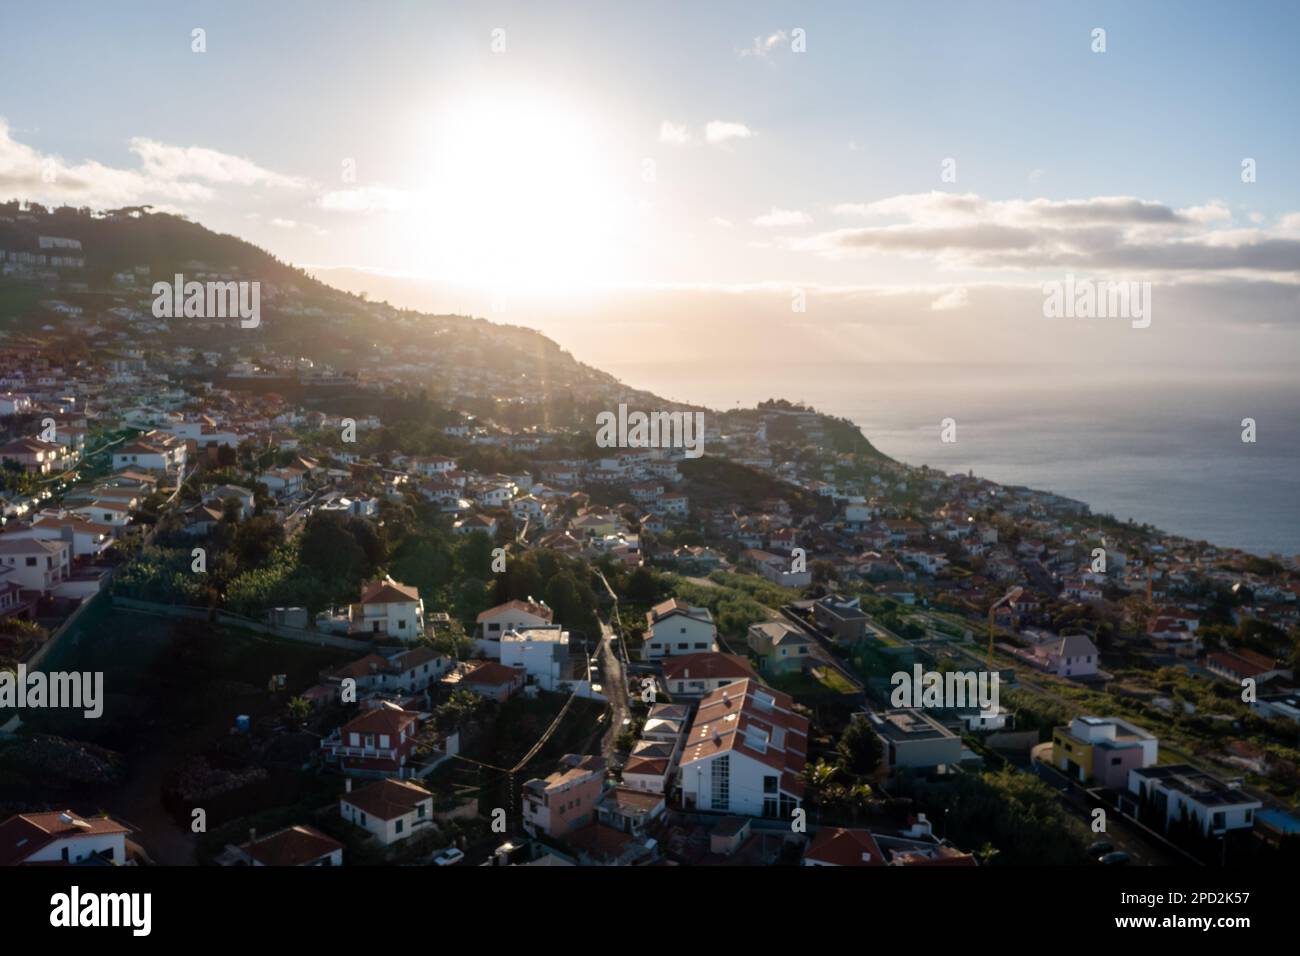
(567, 798)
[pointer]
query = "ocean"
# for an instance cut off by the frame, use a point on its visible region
(1165, 451)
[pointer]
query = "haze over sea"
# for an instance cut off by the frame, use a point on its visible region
(1164, 452)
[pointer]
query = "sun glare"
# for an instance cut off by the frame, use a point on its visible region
(527, 189)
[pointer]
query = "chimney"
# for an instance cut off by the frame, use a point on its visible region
(252, 834)
(347, 785)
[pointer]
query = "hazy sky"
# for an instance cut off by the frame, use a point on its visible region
(681, 172)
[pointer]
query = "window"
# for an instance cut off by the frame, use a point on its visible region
(400, 824)
(769, 784)
(31, 562)
(494, 628)
(721, 779)
(701, 647)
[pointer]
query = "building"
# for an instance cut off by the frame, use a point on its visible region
(1242, 663)
(630, 811)
(61, 836)
(378, 742)
(388, 609)
(914, 740)
(1102, 750)
(566, 799)
(392, 810)
(1165, 794)
(542, 653)
(745, 753)
(35, 563)
(152, 451)
(299, 845)
(511, 616)
(843, 617)
(838, 846)
(780, 647)
(674, 627)
(1073, 655)
(493, 681)
(35, 456)
(694, 675)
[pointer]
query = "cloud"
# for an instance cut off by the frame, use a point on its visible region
(777, 218)
(171, 163)
(167, 174)
(367, 199)
(762, 46)
(954, 298)
(722, 131)
(284, 223)
(1100, 232)
(673, 134)
(720, 221)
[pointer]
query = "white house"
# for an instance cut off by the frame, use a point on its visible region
(388, 609)
(1173, 789)
(36, 564)
(745, 753)
(511, 616)
(391, 810)
(61, 836)
(541, 652)
(674, 627)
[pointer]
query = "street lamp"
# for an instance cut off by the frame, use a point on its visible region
(1005, 599)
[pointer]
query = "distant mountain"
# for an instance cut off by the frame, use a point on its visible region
(125, 251)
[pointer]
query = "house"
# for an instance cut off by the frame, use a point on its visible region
(61, 836)
(300, 845)
(839, 846)
(1073, 655)
(511, 616)
(843, 617)
(35, 456)
(542, 653)
(472, 523)
(34, 563)
(646, 773)
(674, 627)
(223, 493)
(106, 510)
(745, 753)
(1242, 663)
(914, 740)
(377, 742)
(566, 799)
(1170, 793)
(1102, 750)
(780, 647)
(776, 568)
(630, 811)
(392, 810)
(494, 681)
(694, 675)
(152, 451)
(283, 482)
(388, 609)
(89, 539)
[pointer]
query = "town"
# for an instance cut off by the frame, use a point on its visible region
(367, 586)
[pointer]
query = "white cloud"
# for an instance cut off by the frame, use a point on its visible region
(365, 200)
(673, 134)
(171, 163)
(954, 298)
(721, 131)
(777, 218)
(762, 46)
(284, 223)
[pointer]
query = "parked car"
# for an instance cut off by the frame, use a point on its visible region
(448, 857)
(1118, 858)
(1100, 848)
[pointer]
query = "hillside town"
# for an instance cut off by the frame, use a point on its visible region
(379, 596)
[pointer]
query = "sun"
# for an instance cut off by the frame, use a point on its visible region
(523, 192)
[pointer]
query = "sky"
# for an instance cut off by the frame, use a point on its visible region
(680, 181)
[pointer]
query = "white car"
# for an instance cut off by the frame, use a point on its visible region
(448, 857)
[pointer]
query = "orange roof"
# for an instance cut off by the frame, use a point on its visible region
(837, 846)
(387, 799)
(528, 607)
(26, 833)
(292, 846)
(389, 591)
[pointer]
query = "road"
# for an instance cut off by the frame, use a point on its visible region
(614, 678)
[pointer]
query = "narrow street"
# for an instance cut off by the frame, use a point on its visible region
(615, 682)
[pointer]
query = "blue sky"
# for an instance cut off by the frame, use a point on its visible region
(524, 169)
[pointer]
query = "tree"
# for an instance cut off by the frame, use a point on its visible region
(859, 749)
